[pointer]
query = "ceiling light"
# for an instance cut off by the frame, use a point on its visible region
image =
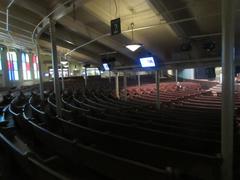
(64, 62)
(69, 42)
(134, 46)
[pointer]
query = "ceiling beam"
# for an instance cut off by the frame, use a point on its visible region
(160, 7)
(79, 27)
(81, 57)
(33, 7)
(76, 39)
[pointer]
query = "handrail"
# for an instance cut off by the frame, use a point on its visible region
(51, 13)
(54, 105)
(35, 109)
(12, 112)
(40, 128)
(43, 167)
(75, 107)
(9, 143)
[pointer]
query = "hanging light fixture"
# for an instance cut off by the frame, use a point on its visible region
(75, 69)
(134, 46)
(66, 65)
(64, 62)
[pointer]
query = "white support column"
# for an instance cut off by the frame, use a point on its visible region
(176, 75)
(158, 89)
(161, 73)
(62, 76)
(41, 86)
(228, 25)
(139, 80)
(69, 74)
(20, 69)
(117, 84)
(125, 86)
(109, 76)
(55, 68)
(5, 77)
(86, 76)
(31, 65)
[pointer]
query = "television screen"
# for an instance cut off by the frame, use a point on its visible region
(106, 67)
(147, 62)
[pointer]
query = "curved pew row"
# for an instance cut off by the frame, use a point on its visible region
(148, 154)
(140, 118)
(98, 111)
(169, 92)
(72, 172)
(145, 131)
(177, 112)
(106, 163)
(21, 157)
(204, 100)
(34, 166)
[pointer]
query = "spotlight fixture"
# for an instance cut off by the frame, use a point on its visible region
(134, 46)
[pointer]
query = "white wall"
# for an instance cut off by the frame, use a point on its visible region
(187, 73)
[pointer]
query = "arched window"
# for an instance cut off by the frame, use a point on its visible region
(12, 66)
(26, 66)
(35, 66)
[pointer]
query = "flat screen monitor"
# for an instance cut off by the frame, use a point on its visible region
(106, 67)
(147, 62)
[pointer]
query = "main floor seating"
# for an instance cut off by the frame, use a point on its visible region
(99, 136)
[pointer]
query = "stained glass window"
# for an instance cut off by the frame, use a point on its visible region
(35, 66)
(26, 68)
(12, 66)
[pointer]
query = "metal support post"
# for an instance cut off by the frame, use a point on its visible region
(55, 68)
(158, 89)
(228, 10)
(109, 76)
(117, 85)
(20, 68)
(176, 74)
(86, 77)
(139, 80)
(125, 86)
(41, 86)
(62, 77)
(5, 77)
(161, 73)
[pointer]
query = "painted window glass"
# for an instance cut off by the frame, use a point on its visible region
(35, 66)
(26, 67)
(12, 66)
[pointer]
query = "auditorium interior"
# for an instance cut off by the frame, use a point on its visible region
(119, 90)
